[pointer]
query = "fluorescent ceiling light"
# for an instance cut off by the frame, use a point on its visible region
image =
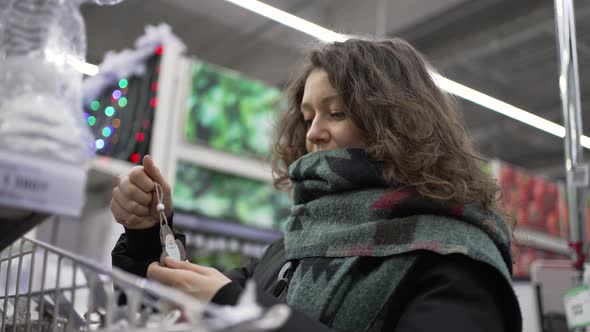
(498, 105)
(504, 108)
(290, 20)
(444, 83)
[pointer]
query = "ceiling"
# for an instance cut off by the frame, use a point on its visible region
(504, 48)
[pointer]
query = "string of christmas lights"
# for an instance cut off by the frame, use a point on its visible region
(121, 119)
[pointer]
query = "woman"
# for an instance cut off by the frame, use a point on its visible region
(393, 226)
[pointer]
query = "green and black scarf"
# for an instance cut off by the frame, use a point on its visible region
(356, 237)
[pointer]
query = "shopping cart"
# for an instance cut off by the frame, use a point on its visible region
(45, 288)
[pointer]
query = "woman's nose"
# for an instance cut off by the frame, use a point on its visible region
(318, 133)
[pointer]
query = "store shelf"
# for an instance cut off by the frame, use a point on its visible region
(110, 166)
(538, 240)
(41, 185)
(225, 162)
(225, 228)
(103, 169)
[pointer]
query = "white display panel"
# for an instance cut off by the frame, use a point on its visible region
(528, 299)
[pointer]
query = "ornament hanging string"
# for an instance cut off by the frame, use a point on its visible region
(161, 207)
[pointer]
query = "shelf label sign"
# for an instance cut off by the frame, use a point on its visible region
(41, 185)
(580, 176)
(577, 307)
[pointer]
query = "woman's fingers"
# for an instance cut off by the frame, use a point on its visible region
(129, 204)
(178, 278)
(122, 216)
(199, 281)
(154, 173)
(141, 179)
(174, 264)
(133, 201)
(135, 193)
(164, 275)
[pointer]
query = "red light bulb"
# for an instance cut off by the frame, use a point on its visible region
(139, 137)
(135, 158)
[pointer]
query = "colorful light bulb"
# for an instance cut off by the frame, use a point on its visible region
(135, 158)
(106, 131)
(95, 105)
(109, 111)
(139, 137)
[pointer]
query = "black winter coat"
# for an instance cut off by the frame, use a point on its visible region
(441, 292)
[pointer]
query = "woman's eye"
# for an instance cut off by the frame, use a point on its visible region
(338, 115)
(307, 123)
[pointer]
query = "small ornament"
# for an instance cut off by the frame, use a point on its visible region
(170, 245)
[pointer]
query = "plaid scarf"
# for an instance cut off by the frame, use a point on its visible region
(356, 237)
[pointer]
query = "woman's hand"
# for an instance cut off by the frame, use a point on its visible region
(199, 281)
(134, 199)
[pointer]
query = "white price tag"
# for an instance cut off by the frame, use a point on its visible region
(41, 185)
(577, 307)
(580, 176)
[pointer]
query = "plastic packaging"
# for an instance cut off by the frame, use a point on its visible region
(42, 51)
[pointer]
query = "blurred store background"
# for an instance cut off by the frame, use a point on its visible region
(203, 106)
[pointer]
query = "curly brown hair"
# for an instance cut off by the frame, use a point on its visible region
(413, 129)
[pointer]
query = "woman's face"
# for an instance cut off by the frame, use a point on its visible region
(328, 127)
